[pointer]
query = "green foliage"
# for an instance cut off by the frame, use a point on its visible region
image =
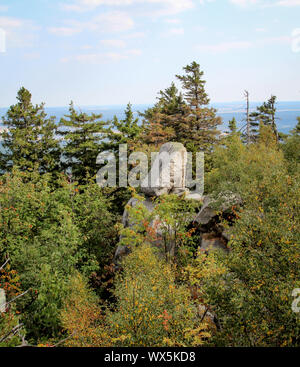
(29, 137)
(82, 141)
(197, 127)
(250, 290)
(95, 220)
(186, 118)
(152, 310)
(38, 234)
(11, 331)
(239, 168)
(82, 317)
(165, 227)
(124, 131)
(264, 114)
(291, 149)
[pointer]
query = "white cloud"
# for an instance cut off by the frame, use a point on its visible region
(109, 22)
(113, 43)
(224, 47)
(114, 21)
(165, 7)
(19, 32)
(245, 2)
(266, 3)
(173, 21)
(3, 8)
(10, 23)
(64, 31)
(261, 30)
(175, 31)
(99, 58)
(288, 3)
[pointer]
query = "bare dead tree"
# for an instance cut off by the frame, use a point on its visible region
(3, 266)
(246, 94)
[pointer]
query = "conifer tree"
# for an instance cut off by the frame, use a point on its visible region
(296, 130)
(82, 142)
(28, 137)
(264, 114)
(124, 131)
(196, 125)
(170, 102)
(232, 126)
(158, 120)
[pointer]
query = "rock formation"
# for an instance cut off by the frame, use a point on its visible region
(168, 176)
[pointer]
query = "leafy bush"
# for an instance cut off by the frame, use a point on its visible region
(152, 310)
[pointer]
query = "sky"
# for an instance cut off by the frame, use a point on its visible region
(108, 52)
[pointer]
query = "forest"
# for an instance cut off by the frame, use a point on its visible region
(59, 230)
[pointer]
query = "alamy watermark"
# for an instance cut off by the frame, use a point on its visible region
(296, 40)
(2, 40)
(171, 169)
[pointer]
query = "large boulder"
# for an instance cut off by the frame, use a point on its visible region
(2, 300)
(212, 207)
(168, 172)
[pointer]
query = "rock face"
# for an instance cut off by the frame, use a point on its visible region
(211, 207)
(213, 235)
(2, 301)
(168, 172)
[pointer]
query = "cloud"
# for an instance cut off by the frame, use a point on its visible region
(261, 30)
(173, 21)
(288, 3)
(64, 31)
(164, 7)
(114, 21)
(113, 43)
(266, 3)
(179, 31)
(19, 32)
(109, 22)
(245, 3)
(99, 58)
(224, 47)
(3, 8)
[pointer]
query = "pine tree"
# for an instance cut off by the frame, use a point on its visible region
(232, 126)
(196, 125)
(264, 114)
(156, 131)
(194, 86)
(296, 130)
(82, 142)
(158, 120)
(124, 131)
(28, 137)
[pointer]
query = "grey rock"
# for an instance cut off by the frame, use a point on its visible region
(168, 172)
(2, 300)
(211, 206)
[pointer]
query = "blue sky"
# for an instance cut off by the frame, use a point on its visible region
(104, 52)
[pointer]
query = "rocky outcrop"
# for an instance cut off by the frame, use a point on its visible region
(211, 208)
(168, 172)
(208, 221)
(2, 300)
(168, 176)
